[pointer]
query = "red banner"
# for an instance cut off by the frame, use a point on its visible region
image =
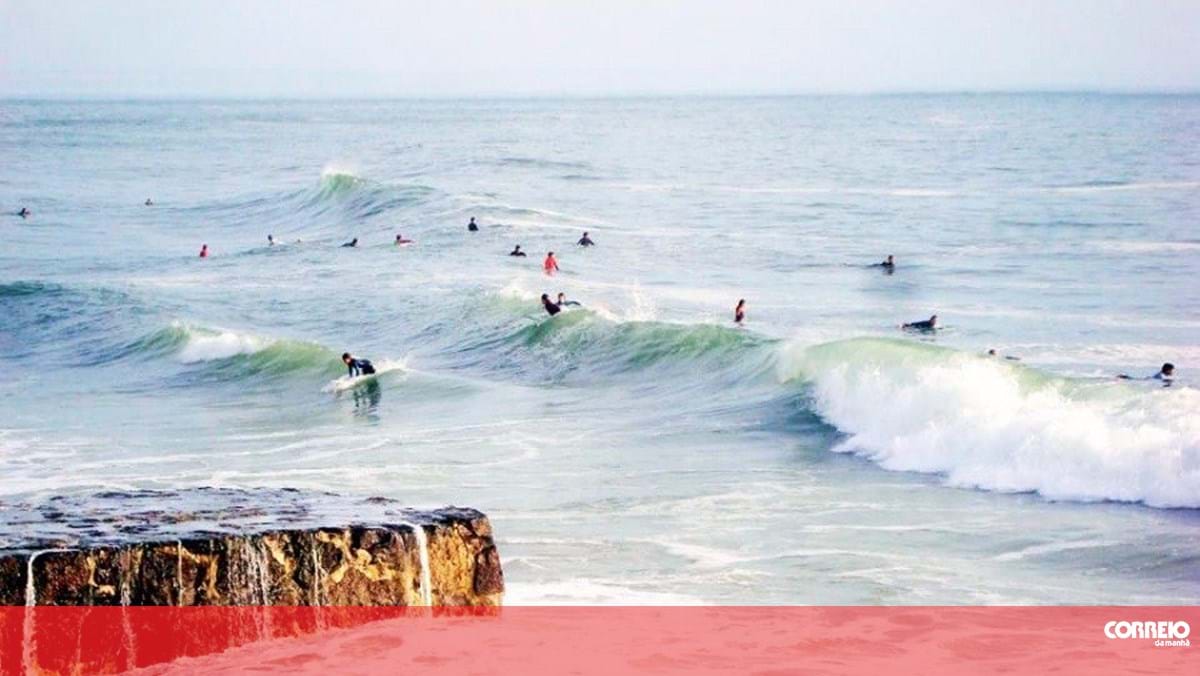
(871, 641)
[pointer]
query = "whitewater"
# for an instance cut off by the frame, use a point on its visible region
(640, 448)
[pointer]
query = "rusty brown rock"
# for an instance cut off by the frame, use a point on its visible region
(376, 564)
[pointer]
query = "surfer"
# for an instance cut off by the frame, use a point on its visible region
(517, 252)
(400, 241)
(351, 244)
(270, 240)
(1166, 374)
(929, 325)
(471, 226)
(739, 312)
(552, 308)
(357, 367)
(585, 240)
(992, 353)
(204, 251)
(24, 212)
(149, 202)
(888, 264)
(563, 302)
(550, 265)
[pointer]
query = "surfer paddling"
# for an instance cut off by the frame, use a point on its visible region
(927, 326)
(1166, 374)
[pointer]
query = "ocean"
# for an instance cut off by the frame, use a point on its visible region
(641, 448)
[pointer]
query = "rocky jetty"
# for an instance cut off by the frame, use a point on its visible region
(218, 547)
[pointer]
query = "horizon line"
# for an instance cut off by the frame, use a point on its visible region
(498, 96)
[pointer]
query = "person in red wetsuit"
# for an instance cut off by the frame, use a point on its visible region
(204, 251)
(551, 264)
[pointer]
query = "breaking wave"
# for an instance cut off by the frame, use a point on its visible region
(983, 423)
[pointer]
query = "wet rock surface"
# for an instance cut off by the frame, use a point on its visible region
(222, 547)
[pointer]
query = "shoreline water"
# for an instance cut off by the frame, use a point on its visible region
(648, 406)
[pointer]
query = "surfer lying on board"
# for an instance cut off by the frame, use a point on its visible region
(552, 308)
(563, 302)
(1166, 374)
(400, 241)
(357, 367)
(927, 325)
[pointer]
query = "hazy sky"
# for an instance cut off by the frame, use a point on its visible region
(453, 47)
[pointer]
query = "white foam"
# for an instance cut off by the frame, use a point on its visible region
(1123, 187)
(339, 168)
(209, 346)
(1146, 247)
(516, 288)
(591, 593)
(989, 424)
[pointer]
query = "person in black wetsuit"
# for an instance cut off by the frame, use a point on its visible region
(552, 308)
(563, 302)
(351, 244)
(889, 263)
(586, 241)
(517, 252)
(929, 325)
(357, 367)
(1166, 374)
(472, 227)
(739, 312)
(24, 212)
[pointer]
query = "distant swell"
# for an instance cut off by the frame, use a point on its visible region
(337, 193)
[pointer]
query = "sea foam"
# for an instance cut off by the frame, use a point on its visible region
(990, 424)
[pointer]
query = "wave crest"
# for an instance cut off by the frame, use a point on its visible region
(990, 424)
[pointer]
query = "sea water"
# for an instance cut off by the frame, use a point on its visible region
(642, 448)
